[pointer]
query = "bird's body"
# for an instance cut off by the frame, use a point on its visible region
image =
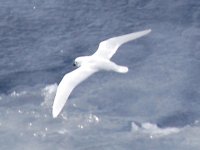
(100, 63)
(89, 65)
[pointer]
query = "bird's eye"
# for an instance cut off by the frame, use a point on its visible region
(74, 64)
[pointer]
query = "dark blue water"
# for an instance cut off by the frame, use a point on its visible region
(39, 41)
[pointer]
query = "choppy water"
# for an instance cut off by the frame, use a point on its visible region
(155, 106)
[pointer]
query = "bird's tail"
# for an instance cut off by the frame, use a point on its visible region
(122, 69)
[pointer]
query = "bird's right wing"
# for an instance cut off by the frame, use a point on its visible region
(108, 47)
(67, 84)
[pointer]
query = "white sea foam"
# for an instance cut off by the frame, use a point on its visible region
(153, 130)
(88, 120)
(93, 118)
(63, 131)
(18, 94)
(48, 92)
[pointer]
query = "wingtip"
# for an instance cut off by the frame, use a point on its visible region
(143, 32)
(54, 116)
(55, 113)
(148, 31)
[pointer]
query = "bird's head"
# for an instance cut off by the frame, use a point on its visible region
(79, 61)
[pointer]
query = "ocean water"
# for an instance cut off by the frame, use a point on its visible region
(155, 106)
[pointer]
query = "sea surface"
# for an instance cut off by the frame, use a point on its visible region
(155, 106)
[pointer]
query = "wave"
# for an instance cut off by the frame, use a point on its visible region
(153, 130)
(48, 93)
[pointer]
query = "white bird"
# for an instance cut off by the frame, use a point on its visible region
(88, 65)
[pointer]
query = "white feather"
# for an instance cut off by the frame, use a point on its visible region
(67, 84)
(88, 65)
(109, 47)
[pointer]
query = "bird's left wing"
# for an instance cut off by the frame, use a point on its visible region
(67, 84)
(108, 47)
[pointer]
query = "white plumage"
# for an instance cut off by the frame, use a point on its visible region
(88, 65)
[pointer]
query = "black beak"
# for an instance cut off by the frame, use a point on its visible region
(74, 64)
